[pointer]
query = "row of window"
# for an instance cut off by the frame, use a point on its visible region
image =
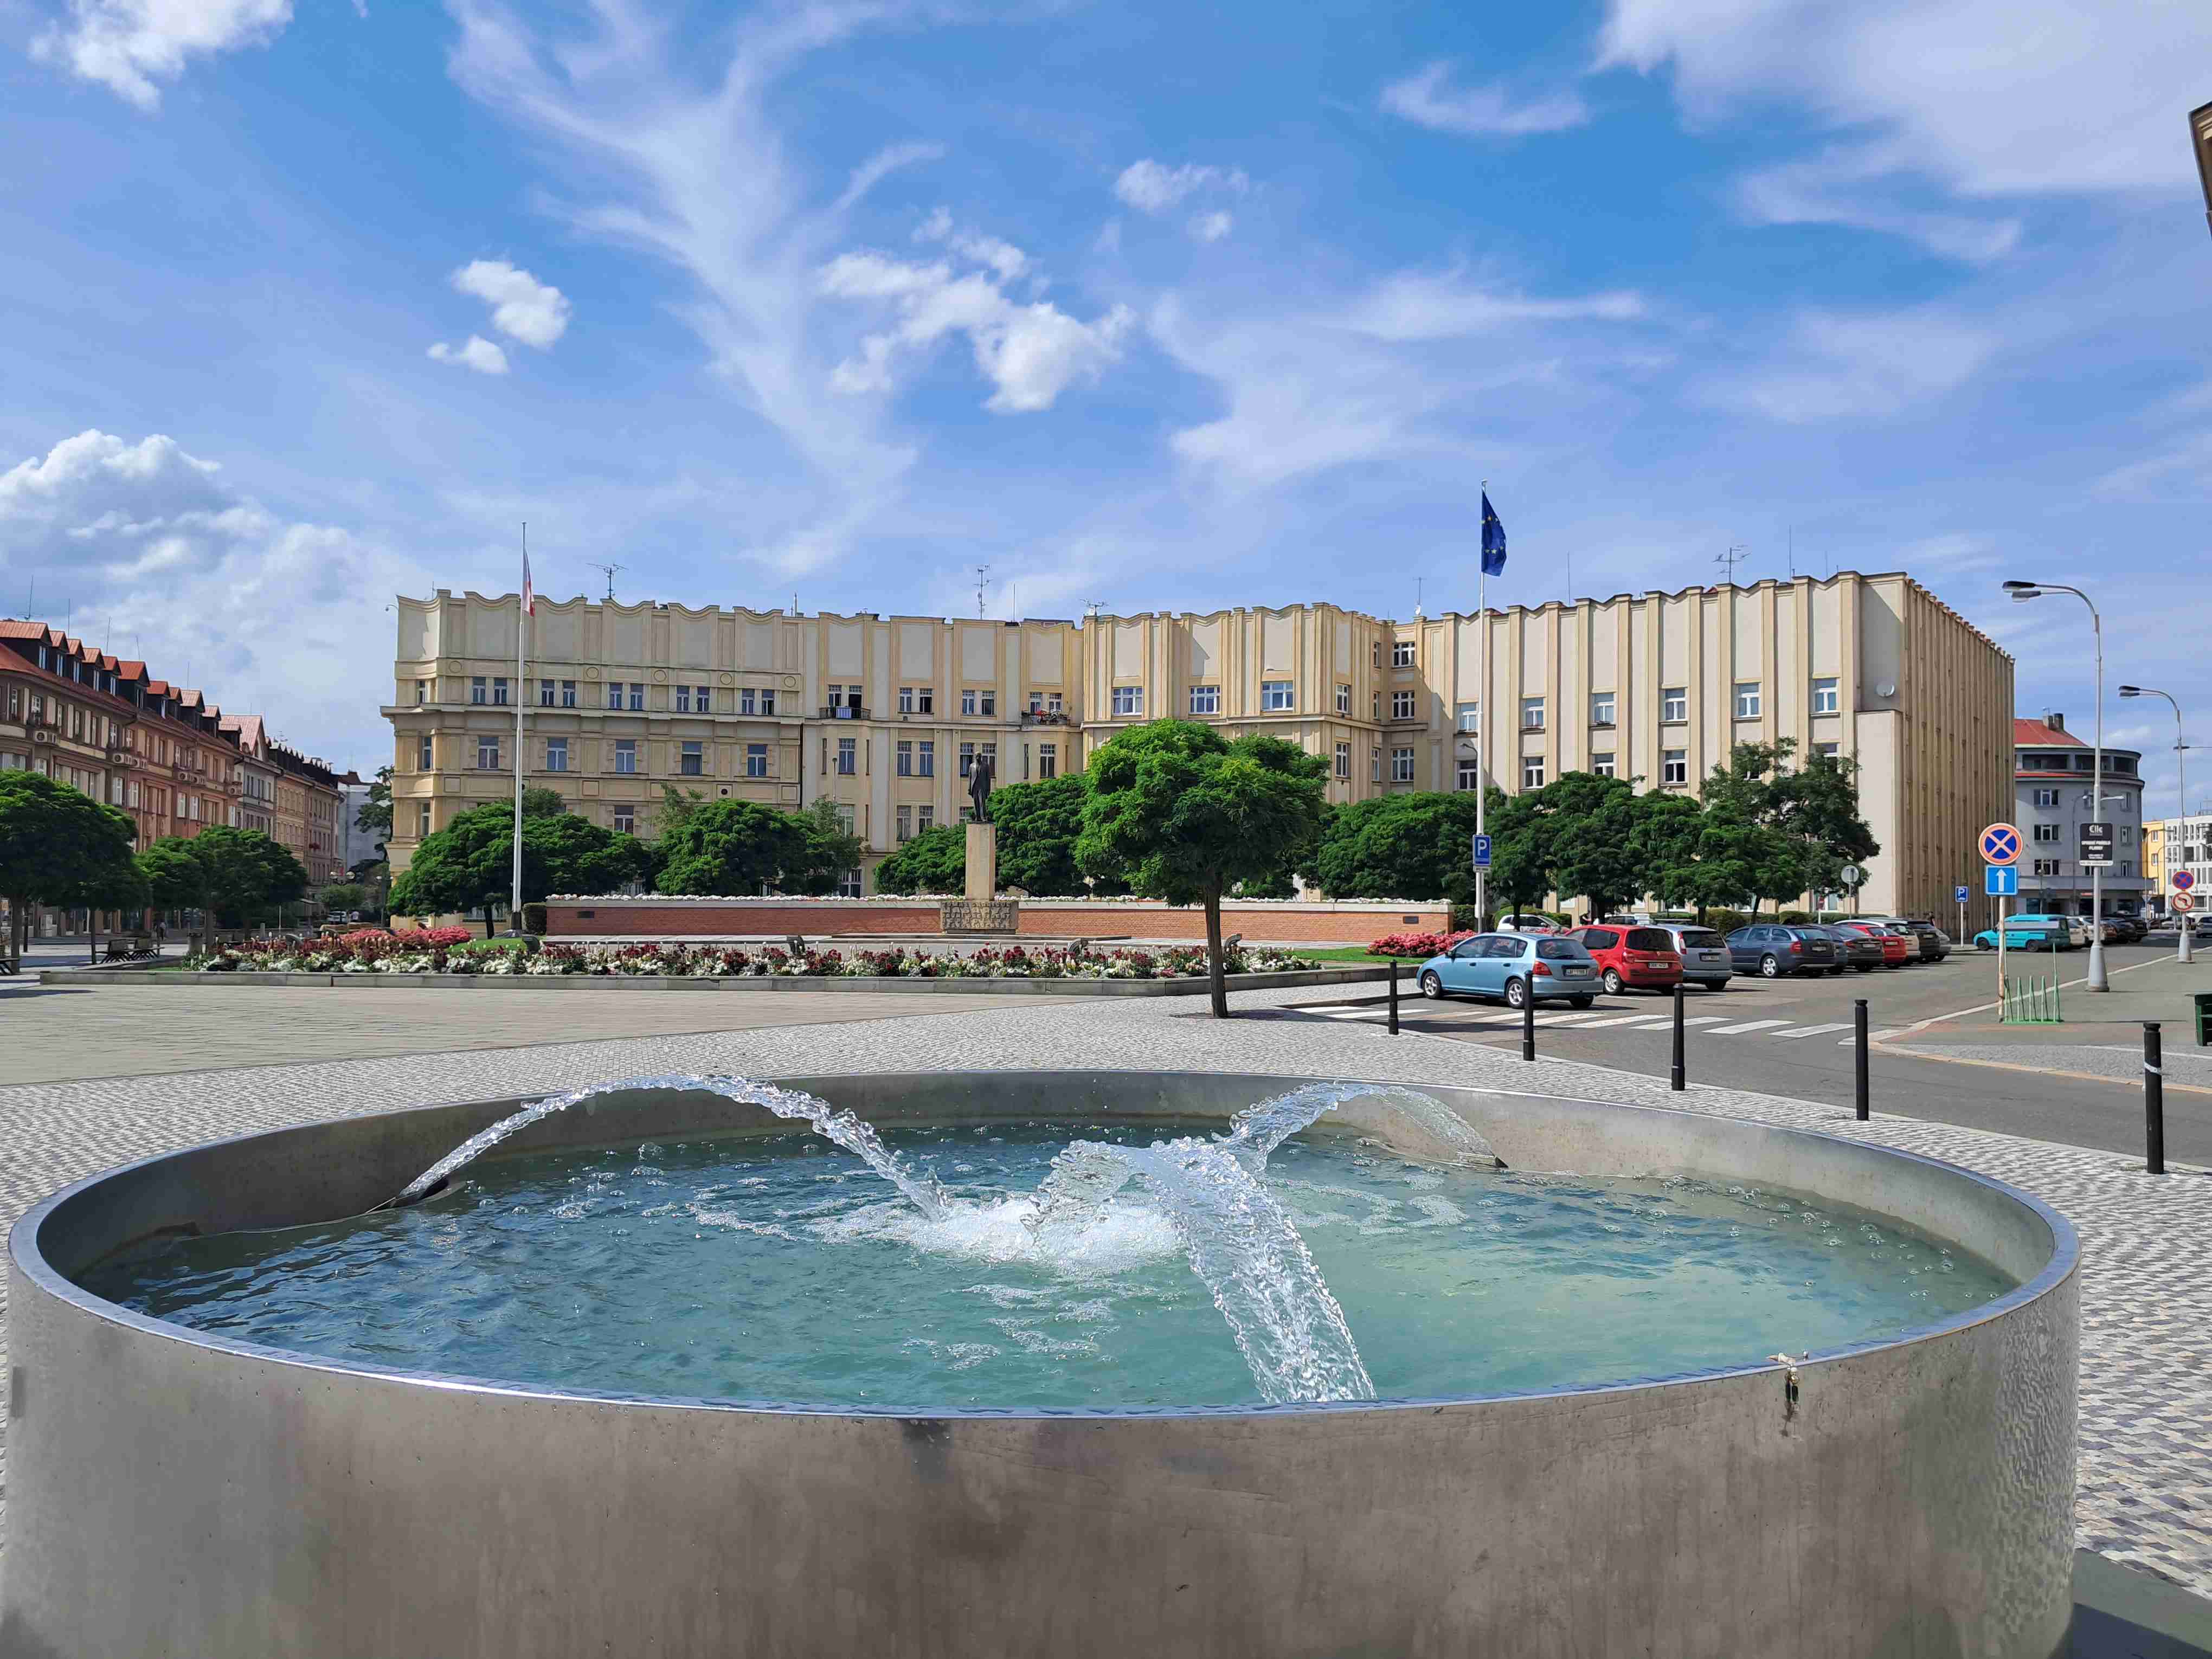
(915, 758)
(2119, 765)
(2124, 868)
(492, 690)
(1674, 766)
(2055, 832)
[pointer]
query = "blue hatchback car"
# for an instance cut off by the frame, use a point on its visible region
(1515, 968)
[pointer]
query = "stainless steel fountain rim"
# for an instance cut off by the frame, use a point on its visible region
(28, 1259)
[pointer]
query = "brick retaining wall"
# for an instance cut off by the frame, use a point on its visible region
(629, 918)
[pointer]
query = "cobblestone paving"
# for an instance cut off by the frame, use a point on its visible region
(2146, 1470)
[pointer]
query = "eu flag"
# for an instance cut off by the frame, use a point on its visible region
(1493, 540)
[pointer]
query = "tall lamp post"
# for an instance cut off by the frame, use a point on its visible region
(2180, 776)
(2024, 591)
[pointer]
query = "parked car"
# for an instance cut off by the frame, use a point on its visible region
(2136, 928)
(1932, 943)
(1861, 952)
(1528, 924)
(1771, 950)
(1516, 967)
(1705, 954)
(2030, 932)
(1896, 950)
(1643, 958)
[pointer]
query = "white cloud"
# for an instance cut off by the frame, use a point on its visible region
(880, 166)
(1990, 97)
(2181, 472)
(1836, 367)
(1002, 257)
(158, 557)
(1029, 353)
(1427, 306)
(481, 354)
(128, 45)
(522, 308)
(1150, 186)
(1211, 227)
(1425, 99)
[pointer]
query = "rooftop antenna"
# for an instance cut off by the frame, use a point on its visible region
(1729, 560)
(1418, 611)
(1091, 608)
(611, 569)
(982, 575)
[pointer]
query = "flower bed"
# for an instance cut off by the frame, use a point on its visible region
(1416, 944)
(384, 953)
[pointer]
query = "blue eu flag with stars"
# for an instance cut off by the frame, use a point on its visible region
(1493, 540)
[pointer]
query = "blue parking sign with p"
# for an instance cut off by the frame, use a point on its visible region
(1958, 894)
(1482, 852)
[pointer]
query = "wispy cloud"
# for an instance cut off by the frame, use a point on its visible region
(129, 46)
(1427, 99)
(1858, 186)
(1834, 366)
(1154, 187)
(477, 353)
(1435, 305)
(523, 308)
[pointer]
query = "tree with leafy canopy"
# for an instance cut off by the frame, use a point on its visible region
(1663, 841)
(676, 806)
(469, 865)
(732, 846)
(235, 877)
(343, 895)
(1785, 830)
(540, 803)
(834, 849)
(1523, 865)
(1039, 825)
(1187, 814)
(1592, 820)
(57, 846)
(934, 861)
(376, 813)
(115, 884)
(1412, 846)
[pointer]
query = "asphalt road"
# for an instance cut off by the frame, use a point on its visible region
(1785, 1054)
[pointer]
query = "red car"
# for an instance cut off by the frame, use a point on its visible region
(1642, 958)
(1896, 949)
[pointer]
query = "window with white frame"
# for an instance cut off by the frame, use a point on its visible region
(2046, 797)
(988, 702)
(2043, 832)
(1532, 714)
(1128, 700)
(1674, 766)
(967, 759)
(905, 759)
(1401, 654)
(422, 762)
(1673, 704)
(1375, 705)
(556, 754)
(1470, 774)
(1602, 706)
(1344, 700)
(1827, 751)
(1532, 771)
(545, 693)
(692, 762)
(422, 691)
(1825, 700)
(1205, 700)
(906, 824)
(499, 689)
(422, 819)
(625, 754)
(476, 683)
(924, 759)
(1047, 760)
(703, 699)
(1276, 696)
(848, 885)
(747, 702)
(848, 758)
(683, 698)
(1375, 764)
(487, 754)
(1747, 699)
(1344, 760)
(614, 694)
(625, 820)
(906, 707)
(2046, 866)
(925, 820)
(1402, 705)
(637, 694)
(1467, 716)
(1601, 762)
(567, 693)
(1401, 766)
(1376, 649)
(756, 760)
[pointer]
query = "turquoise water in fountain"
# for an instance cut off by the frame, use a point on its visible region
(779, 1269)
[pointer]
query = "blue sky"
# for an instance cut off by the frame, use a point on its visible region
(309, 302)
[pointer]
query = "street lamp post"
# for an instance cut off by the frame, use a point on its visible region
(2023, 590)
(2180, 776)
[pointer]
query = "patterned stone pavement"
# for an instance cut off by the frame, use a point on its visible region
(2146, 1470)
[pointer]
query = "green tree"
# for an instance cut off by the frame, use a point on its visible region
(538, 803)
(343, 895)
(832, 849)
(236, 877)
(1592, 822)
(1780, 829)
(733, 848)
(1663, 841)
(1189, 814)
(469, 865)
(53, 839)
(109, 880)
(934, 861)
(1523, 864)
(1415, 846)
(375, 814)
(676, 806)
(1038, 826)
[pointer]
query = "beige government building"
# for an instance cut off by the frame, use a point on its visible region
(885, 714)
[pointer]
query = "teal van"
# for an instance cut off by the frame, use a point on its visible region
(2032, 932)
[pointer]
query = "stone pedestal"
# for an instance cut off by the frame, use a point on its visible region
(983, 861)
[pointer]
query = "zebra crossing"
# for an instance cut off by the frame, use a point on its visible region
(1599, 1019)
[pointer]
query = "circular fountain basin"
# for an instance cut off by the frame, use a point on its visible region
(176, 1490)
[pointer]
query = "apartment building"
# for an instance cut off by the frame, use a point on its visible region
(885, 715)
(2054, 773)
(2172, 844)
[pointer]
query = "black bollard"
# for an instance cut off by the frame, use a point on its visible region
(1859, 1031)
(1528, 1022)
(2154, 1100)
(1393, 999)
(1679, 1080)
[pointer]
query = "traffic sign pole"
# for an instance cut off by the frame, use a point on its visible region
(2183, 905)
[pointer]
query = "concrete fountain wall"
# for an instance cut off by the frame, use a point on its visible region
(173, 1493)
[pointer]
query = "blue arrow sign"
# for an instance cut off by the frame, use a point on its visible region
(2001, 881)
(1482, 852)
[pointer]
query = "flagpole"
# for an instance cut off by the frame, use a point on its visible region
(521, 704)
(1482, 714)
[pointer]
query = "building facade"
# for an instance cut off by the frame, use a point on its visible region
(2054, 772)
(885, 715)
(2172, 844)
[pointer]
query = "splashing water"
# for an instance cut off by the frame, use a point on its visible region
(1286, 1323)
(846, 1129)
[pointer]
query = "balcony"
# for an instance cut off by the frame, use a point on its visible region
(844, 711)
(1045, 717)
